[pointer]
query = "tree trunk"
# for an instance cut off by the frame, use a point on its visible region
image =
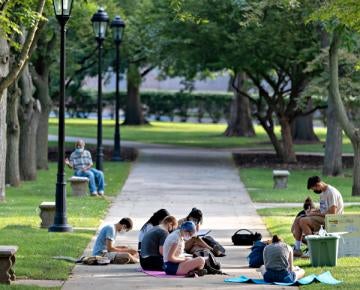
(41, 83)
(350, 130)
(240, 122)
(302, 127)
(133, 112)
(4, 70)
(356, 169)
(271, 134)
(13, 135)
(29, 118)
(333, 146)
(287, 142)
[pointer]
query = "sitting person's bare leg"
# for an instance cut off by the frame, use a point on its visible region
(190, 264)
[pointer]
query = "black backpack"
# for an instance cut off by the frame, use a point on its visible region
(211, 265)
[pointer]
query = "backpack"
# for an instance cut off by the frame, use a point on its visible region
(94, 260)
(211, 265)
(219, 250)
(255, 257)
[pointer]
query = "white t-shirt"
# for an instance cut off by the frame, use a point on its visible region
(331, 196)
(142, 232)
(173, 238)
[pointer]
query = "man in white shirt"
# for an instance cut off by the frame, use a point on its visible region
(331, 202)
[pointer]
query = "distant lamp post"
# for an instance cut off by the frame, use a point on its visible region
(62, 10)
(117, 27)
(100, 22)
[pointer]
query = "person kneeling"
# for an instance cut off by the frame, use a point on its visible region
(278, 263)
(104, 245)
(152, 244)
(174, 261)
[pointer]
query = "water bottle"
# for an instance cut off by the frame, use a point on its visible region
(322, 231)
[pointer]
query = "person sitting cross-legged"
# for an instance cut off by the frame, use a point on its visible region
(152, 244)
(278, 263)
(104, 245)
(175, 263)
(80, 160)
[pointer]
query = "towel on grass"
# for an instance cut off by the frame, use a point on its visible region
(325, 278)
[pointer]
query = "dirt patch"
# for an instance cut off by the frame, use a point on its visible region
(266, 160)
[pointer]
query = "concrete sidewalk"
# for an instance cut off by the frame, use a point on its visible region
(178, 180)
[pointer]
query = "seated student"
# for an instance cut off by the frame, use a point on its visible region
(174, 261)
(307, 207)
(278, 263)
(197, 243)
(331, 202)
(155, 220)
(80, 160)
(152, 244)
(104, 245)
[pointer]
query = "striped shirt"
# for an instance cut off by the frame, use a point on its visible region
(80, 160)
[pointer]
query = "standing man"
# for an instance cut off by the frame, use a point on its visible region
(331, 202)
(81, 162)
(105, 244)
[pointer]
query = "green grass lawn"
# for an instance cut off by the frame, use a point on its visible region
(19, 223)
(296, 192)
(278, 221)
(184, 134)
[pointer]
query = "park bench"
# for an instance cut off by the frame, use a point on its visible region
(280, 178)
(7, 261)
(79, 185)
(47, 213)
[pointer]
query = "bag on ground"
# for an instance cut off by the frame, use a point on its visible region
(246, 238)
(219, 250)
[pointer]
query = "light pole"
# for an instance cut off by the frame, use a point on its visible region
(100, 21)
(62, 10)
(117, 27)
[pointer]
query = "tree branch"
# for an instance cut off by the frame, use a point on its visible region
(24, 55)
(146, 71)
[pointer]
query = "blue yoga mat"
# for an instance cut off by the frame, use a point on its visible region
(325, 278)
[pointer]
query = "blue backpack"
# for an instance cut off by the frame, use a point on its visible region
(255, 257)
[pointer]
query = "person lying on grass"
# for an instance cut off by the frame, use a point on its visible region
(104, 245)
(175, 263)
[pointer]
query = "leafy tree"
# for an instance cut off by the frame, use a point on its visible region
(342, 19)
(13, 14)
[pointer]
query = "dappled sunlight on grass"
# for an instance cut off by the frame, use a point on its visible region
(184, 134)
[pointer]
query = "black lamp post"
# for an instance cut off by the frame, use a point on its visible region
(117, 27)
(100, 21)
(62, 10)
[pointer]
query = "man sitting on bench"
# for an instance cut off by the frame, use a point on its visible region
(331, 202)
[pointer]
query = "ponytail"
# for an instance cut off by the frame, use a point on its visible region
(276, 239)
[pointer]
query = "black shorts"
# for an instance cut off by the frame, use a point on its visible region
(152, 263)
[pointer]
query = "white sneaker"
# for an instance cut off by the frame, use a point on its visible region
(94, 193)
(101, 193)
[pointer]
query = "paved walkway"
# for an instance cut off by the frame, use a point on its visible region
(179, 179)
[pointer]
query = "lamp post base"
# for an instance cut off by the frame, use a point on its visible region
(60, 228)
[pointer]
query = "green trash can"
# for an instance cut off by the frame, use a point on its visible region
(323, 250)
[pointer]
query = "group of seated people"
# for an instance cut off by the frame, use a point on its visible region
(163, 240)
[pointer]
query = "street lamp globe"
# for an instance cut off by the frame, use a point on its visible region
(62, 8)
(117, 27)
(100, 22)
